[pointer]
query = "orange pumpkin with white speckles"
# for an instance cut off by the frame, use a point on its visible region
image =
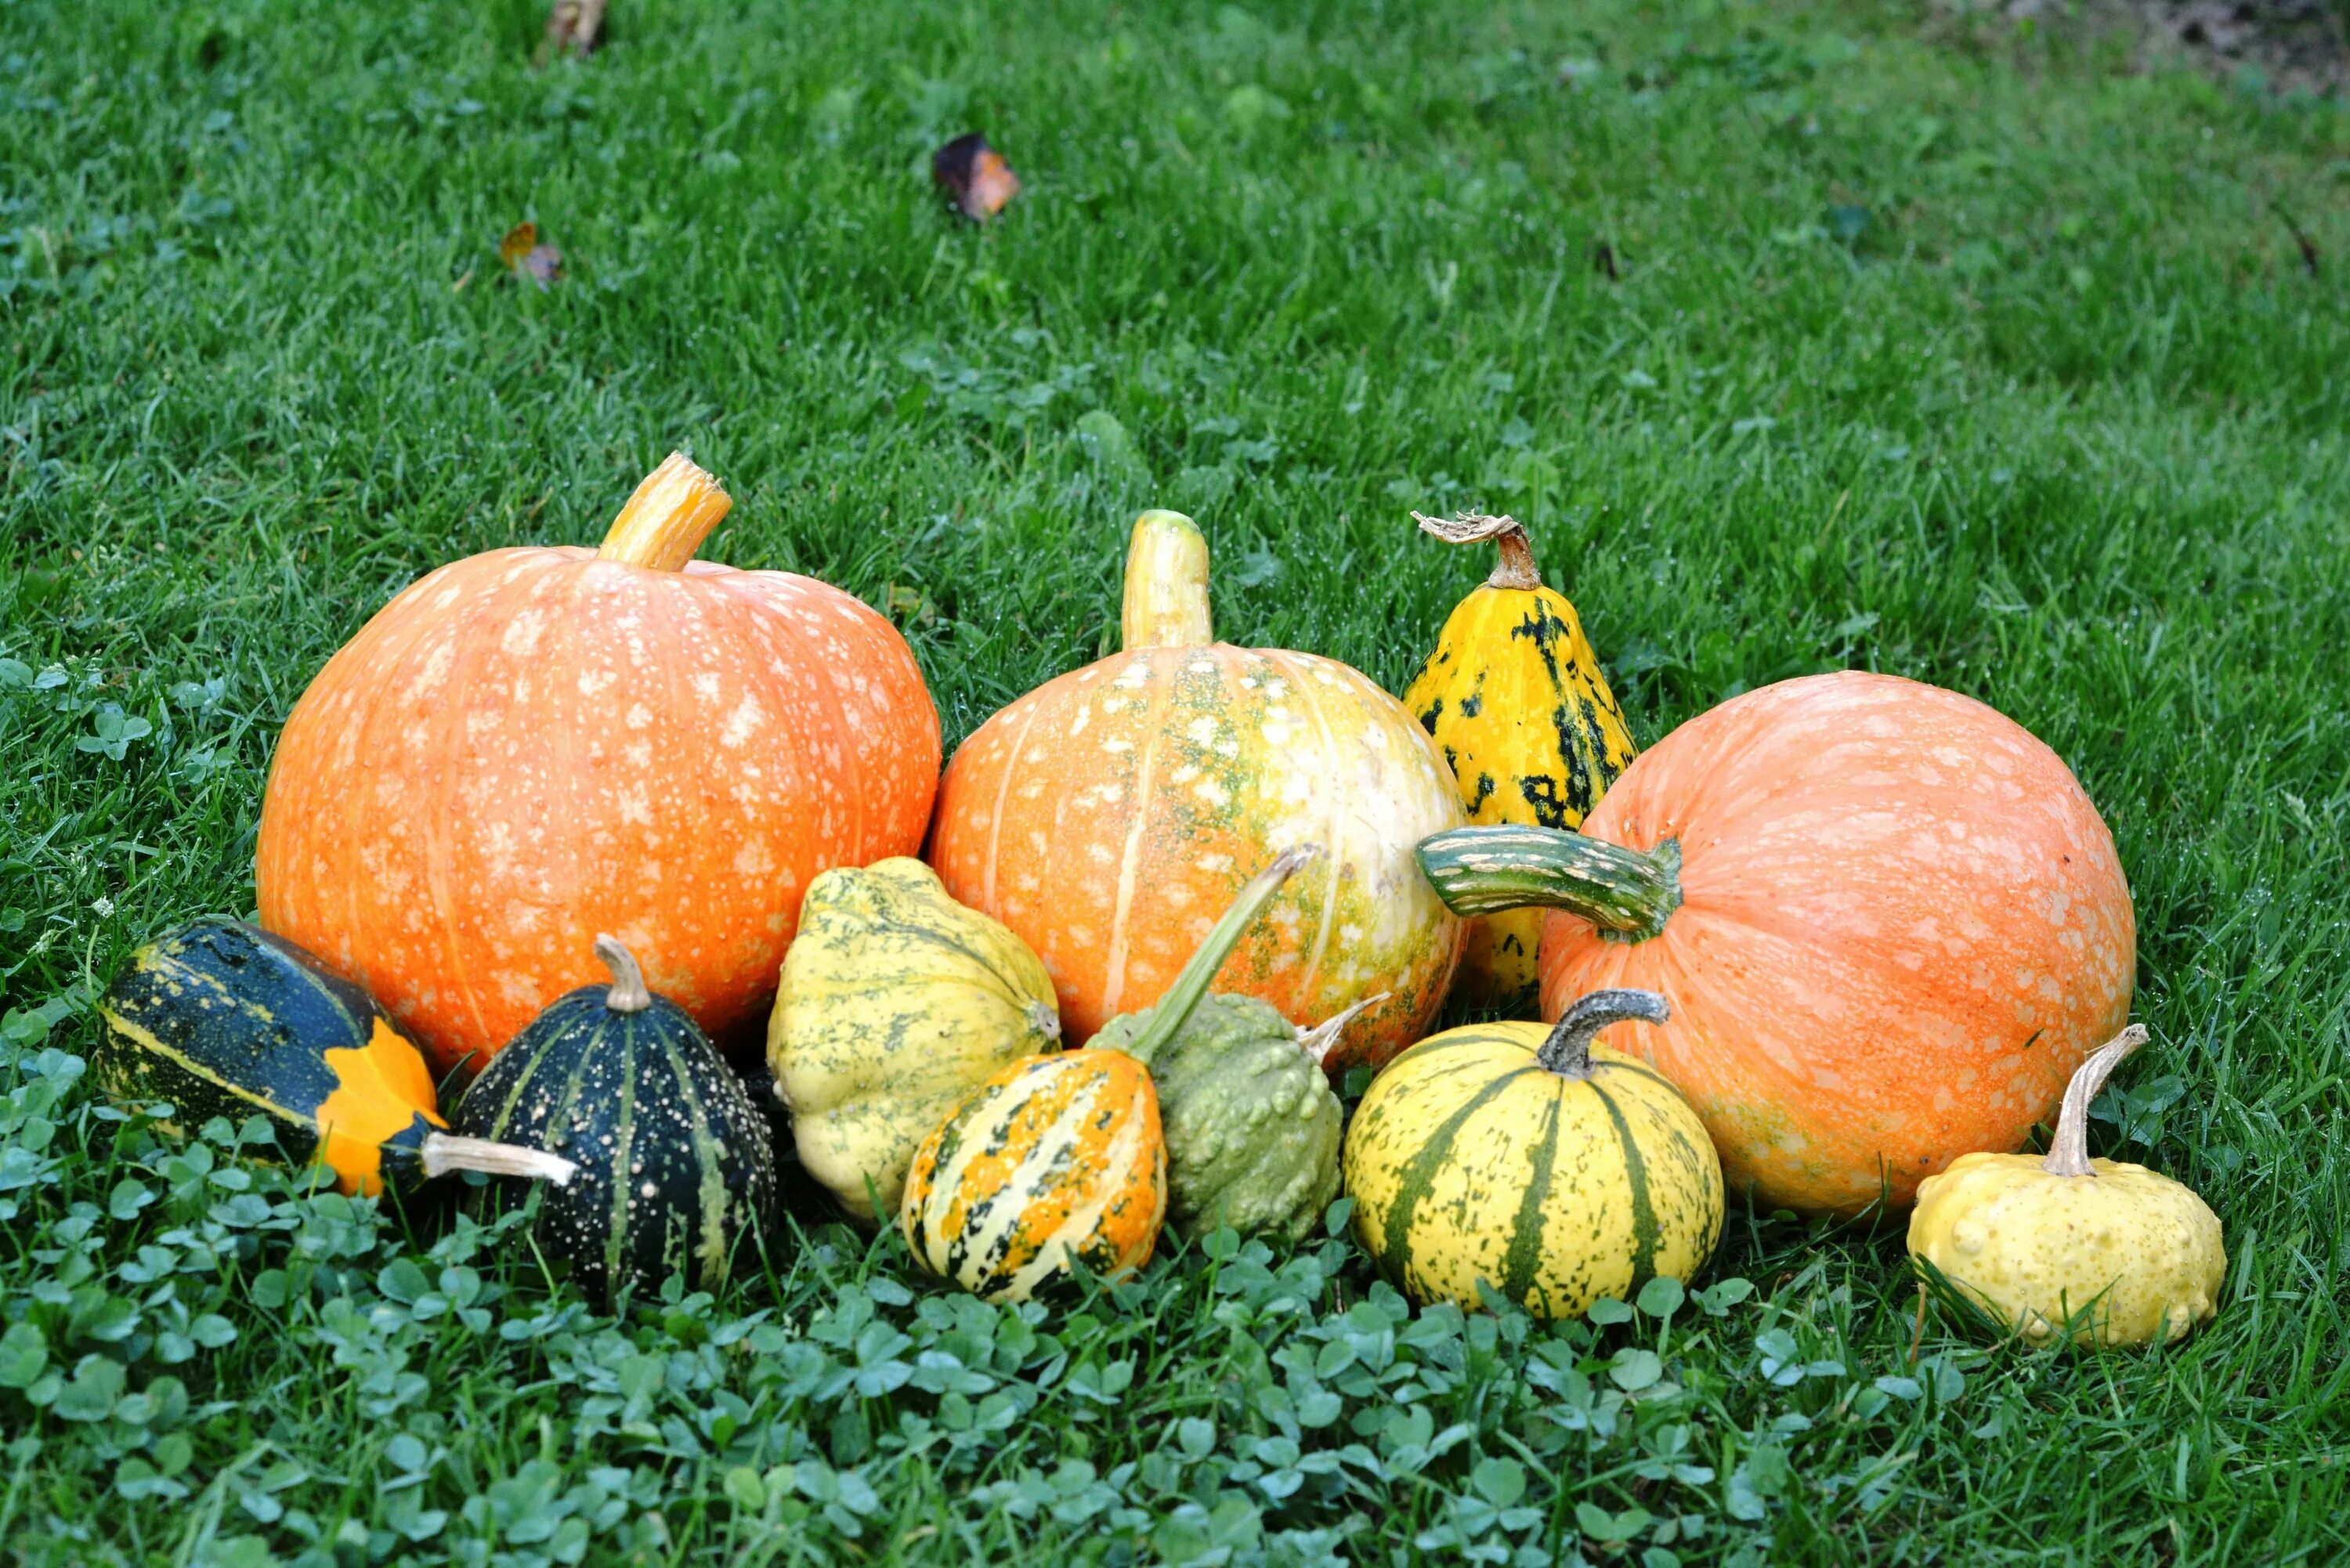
(1110, 815)
(1888, 922)
(531, 746)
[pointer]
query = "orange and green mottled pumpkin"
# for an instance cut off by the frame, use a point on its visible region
(1054, 1158)
(1110, 815)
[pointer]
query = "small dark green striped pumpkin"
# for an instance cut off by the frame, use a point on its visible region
(676, 1169)
(222, 1019)
(1552, 1170)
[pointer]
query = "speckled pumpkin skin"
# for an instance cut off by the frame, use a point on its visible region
(1252, 1124)
(2140, 1251)
(1054, 1158)
(1470, 1161)
(1111, 814)
(222, 1019)
(531, 746)
(675, 1168)
(1514, 697)
(895, 1004)
(1902, 927)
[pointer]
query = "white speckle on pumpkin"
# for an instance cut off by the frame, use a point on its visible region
(638, 716)
(740, 724)
(705, 684)
(593, 681)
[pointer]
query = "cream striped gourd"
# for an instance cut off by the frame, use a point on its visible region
(1056, 1158)
(1555, 1170)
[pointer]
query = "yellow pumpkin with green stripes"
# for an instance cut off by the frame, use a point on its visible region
(1514, 697)
(1532, 1160)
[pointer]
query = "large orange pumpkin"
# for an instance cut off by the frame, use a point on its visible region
(1111, 814)
(532, 746)
(1888, 921)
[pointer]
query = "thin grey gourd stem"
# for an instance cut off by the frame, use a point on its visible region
(1627, 894)
(628, 994)
(2068, 1153)
(1568, 1051)
(1317, 1041)
(1516, 568)
(445, 1152)
(1173, 1010)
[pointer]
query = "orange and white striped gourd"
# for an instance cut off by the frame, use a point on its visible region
(1055, 1159)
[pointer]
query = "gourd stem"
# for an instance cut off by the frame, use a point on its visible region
(667, 519)
(1626, 893)
(1516, 568)
(1174, 1009)
(1166, 603)
(445, 1152)
(1568, 1051)
(2068, 1153)
(1317, 1041)
(628, 994)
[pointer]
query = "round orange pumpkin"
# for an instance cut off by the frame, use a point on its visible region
(534, 745)
(1888, 921)
(1109, 816)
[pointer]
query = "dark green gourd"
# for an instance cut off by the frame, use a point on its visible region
(1251, 1125)
(222, 1019)
(676, 1169)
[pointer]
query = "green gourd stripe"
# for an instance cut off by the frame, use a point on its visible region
(709, 1157)
(1636, 1176)
(146, 1039)
(624, 1136)
(1414, 1180)
(1637, 1069)
(1520, 1263)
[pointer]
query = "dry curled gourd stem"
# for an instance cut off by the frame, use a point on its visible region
(1317, 1041)
(628, 994)
(1568, 1051)
(445, 1152)
(1166, 602)
(667, 519)
(1174, 1009)
(1516, 568)
(2068, 1155)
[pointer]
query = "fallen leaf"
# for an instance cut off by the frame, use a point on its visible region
(524, 257)
(975, 175)
(573, 28)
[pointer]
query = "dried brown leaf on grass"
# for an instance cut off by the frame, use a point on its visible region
(524, 257)
(573, 28)
(975, 175)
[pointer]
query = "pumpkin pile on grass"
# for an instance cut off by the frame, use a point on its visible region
(1836, 946)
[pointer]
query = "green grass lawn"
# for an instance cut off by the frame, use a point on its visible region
(1804, 336)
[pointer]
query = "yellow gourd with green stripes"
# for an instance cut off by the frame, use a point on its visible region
(1552, 1170)
(1514, 697)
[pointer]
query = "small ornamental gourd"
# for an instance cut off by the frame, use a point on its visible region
(1514, 697)
(1108, 815)
(1890, 920)
(222, 1019)
(535, 744)
(675, 1165)
(1055, 1160)
(895, 1004)
(1252, 1125)
(2114, 1254)
(1552, 1169)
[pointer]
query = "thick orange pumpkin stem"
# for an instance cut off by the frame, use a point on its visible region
(1568, 1051)
(667, 519)
(1166, 603)
(2068, 1154)
(1517, 568)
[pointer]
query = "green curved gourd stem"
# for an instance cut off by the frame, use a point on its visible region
(628, 994)
(2068, 1152)
(1174, 1009)
(1626, 893)
(1568, 1051)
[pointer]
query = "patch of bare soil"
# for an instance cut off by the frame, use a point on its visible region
(2295, 45)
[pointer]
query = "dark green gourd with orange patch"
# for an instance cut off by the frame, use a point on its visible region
(222, 1019)
(675, 1165)
(1514, 697)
